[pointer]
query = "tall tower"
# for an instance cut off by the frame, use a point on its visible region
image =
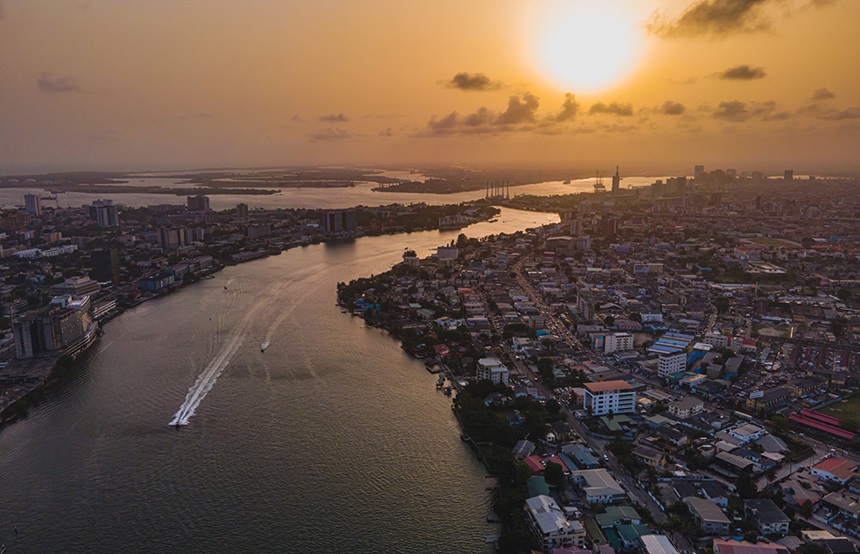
(616, 180)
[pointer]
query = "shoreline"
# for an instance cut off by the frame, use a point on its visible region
(18, 407)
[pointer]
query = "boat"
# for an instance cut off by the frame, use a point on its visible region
(264, 346)
(448, 391)
(566, 182)
(225, 287)
(440, 382)
(464, 437)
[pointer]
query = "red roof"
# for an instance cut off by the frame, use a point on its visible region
(557, 460)
(534, 464)
(810, 422)
(839, 467)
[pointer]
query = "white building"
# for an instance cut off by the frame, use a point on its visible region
(550, 525)
(717, 340)
(617, 342)
(657, 544)
(617, 397)
(669, 364)
(491, 369)
(747, 432)
(599, 487)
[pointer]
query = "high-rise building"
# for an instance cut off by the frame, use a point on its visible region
(105, 265)
(33, 204)
(616, 180)
(698, 172)
(617, 397)
(789, 175)
(341, 220)
(609, 226)
(242, 211)
(104, 213)
(65, 325)
(198, 203)
(171, 238)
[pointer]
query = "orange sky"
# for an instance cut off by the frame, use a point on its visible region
(134, 84)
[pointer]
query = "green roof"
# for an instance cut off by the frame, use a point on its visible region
(614, 514)
(536, 485)
(594, 531)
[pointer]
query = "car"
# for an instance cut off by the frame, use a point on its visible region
(605, 457)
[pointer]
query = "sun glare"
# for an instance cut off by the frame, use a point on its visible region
(587, 46)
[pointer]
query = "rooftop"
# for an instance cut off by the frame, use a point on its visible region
(607, 386)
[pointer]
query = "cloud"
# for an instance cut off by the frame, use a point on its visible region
(569, 109)
(472, 81)
(823, 94)
(614, 108)
(388, 132)
(670, 107)
(839, 115)
(712, 17)
(198, 115)
(742, 73)
(447, 122)
(49, 84)
(482, 116)
(519, 111)
(722, 18)
(334, 118)
(331, 134)
(737, 111)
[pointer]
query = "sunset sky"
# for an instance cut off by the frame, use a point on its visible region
(654, 85)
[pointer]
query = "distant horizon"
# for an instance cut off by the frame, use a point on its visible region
(655, 85)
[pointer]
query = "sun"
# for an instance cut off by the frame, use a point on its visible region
(587, 46)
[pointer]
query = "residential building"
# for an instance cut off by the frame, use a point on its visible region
(766, 517)
(242, 211)
(617, 397)
(104, 213)
(198, 203)
(491, 369)
(550, 525)
(341, 220)
(747, 432)
(708, 516)
(669, 364)
(837, 470)
(743, 547)
(599, 487)
(75, 286)
(657, 544)
(616, 342)
(686, 407)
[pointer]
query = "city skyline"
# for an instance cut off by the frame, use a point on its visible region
(751, 84)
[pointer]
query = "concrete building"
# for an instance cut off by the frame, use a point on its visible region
(686, 407)
(104, 213)
(657, 544)
(599, 487)
(708, 516)
(198, 203)
(491, 369)
(550, 525)
(837, 470)
(171, 238)
(341, 220)
(75, 286)
(669, 364)
(66, 325)
(242, 211)
(602, 398)
(33, 204)
(105, 264)
(717, 340)
(766, 517)
(617, 342)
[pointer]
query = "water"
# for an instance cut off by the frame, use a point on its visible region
(361, 194)
(332, 440)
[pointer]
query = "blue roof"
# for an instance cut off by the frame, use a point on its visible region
(662, 349)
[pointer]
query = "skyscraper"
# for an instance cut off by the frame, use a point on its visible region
(33, 204)
(242, 211)
(199, 203)
(105, 265)
(104, 213)
(616, 180)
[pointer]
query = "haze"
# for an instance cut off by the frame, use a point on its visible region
(751, 84)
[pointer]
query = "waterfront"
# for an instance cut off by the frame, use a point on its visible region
(361, 194)
(333, 439)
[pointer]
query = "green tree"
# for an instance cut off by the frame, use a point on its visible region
(554, 474)
(722, 304)
(745, 486)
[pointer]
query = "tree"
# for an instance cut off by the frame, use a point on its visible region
(722, 304)
(745, 486)
(838, 326)
(554, 474)
(609, 320)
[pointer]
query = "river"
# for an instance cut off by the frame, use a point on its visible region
(332, 440)
(346, 197)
